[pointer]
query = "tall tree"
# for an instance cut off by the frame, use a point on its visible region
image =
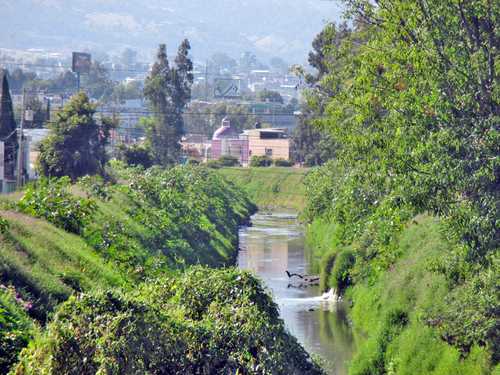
(271, 95)
(7, 121)
(312, 144)
(98, 83)
(66, 81)
(419, 112)
(77, 142)
(169, 91)
(222, 61)
(128, 57)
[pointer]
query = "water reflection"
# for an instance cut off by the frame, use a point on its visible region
(275, 243)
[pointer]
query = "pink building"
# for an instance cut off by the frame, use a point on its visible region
(226, 141)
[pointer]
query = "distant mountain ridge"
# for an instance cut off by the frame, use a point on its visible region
(266, 28)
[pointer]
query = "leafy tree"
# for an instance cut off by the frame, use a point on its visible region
(199, 120)
(19, 77)
(77, 142)
(98, 83)
(279, 65)
(311, 143)
(126, 91)
(203, 91)
(248, 62)
(239, 117)
(135, 155)
(418, 111)
(38, 84)
(222, 61)
(128, 57)
(40, 113)
(66, 81)
(271, 95)
(169, 91)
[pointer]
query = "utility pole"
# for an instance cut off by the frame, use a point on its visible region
(20, 149)
(129, 126)
(206, 81)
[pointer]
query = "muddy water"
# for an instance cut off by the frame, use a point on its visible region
(276, 243)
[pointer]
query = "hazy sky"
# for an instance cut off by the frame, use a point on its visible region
(283, 28)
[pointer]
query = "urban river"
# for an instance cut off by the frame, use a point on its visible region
(276, 243)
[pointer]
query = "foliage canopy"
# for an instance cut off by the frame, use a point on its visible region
(417, 110)
(77, 142)
(169, 91)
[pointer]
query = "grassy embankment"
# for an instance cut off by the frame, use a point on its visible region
(422, 305)
(271, 188)
(397, 308)
(105, 284)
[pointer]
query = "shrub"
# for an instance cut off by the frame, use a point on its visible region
(135, 155)
(281, 162)
(326, 269)
(205, 321)
(193, 161)
(213, 163)
(261, 161)
(229, 161)
(339, 277)
(52, 201)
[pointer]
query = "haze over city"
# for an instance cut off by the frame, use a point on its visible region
(265, 28)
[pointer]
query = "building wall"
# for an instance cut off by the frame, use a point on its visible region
(280, 147)
(216, 148)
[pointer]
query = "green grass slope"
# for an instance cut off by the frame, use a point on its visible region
(123, 279)
(271, 188)
(397, 308)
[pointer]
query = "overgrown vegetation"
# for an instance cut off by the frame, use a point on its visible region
(203, 321)
(95, 273)
(410, 97)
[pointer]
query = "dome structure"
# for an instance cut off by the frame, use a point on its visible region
(225, 131)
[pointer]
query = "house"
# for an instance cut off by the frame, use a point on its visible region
(270, 141)
(253, 142)
(226, 141)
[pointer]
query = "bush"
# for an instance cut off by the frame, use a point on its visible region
(261, 161)
(205, 321)
(52, 201)
(229, 161)
(326, 269)
(213, 163)
(339, 277)
(135, 155)
(281, 162)
(193, 161)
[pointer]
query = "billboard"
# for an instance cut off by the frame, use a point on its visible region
(81, 62)
(227, 88)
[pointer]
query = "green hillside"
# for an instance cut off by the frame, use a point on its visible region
(271, 187)
(424, 308)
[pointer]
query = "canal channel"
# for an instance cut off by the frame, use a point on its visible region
(276, 243)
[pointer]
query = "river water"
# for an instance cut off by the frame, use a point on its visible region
(276, 243)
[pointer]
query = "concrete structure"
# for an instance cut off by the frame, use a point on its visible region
(227, 142)
(271, 142)
(194, 146)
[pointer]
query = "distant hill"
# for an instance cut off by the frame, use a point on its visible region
(266, 28)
